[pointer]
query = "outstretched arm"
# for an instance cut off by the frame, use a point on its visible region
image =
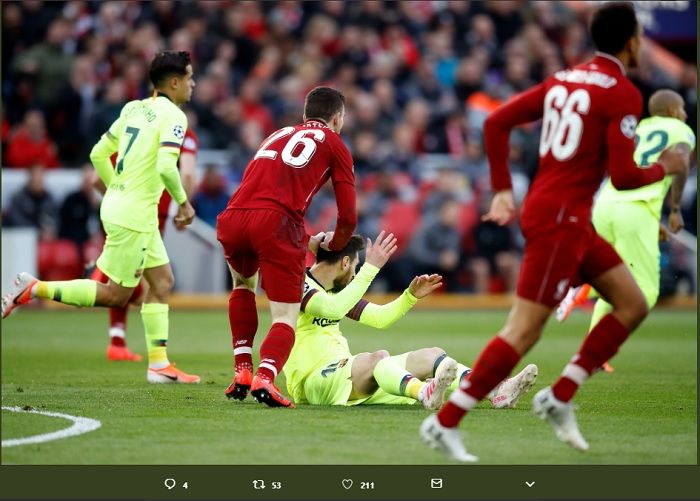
(385, 315)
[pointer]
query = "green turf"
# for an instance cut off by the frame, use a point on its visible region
(646, 412)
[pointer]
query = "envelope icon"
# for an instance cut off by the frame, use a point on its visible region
(436, 483)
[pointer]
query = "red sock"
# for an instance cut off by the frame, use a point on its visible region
(243, 318)
(600, 345)
(98, 276)
(137, 293)
(117, 317)
(275, 350)
(493, 365)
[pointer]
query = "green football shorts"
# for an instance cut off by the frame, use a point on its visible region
(331, 385)
(633, 231)
(127, 253)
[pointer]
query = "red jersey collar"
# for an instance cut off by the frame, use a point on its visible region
(318, 121)
(609, 60)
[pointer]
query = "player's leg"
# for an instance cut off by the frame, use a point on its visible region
(233, 233)
(629, 307)
(606, 221)
(117, 349)
(637, 244)
(155, 312)
(121, 258)
(396, 376)
(552, 258)
(604, 270)
(280, 247)
(274, 351)
(243, 321)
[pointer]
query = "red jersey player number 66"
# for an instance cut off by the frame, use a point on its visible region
(299, 160)
(562, 130)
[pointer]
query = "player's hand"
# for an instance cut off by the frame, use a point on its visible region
(185, 214)
(423, 285)
(502, 209)
(675, 160)
(675, 221)
(326, 240)
(315, 242)
(664, 234)
(379, 252)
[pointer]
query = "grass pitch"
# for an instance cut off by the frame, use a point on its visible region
(646, 412)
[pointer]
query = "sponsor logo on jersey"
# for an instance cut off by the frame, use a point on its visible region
(324, 322)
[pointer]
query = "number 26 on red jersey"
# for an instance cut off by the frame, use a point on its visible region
(562, 126)
(299, 159)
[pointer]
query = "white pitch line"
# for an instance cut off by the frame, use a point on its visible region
(80, 425)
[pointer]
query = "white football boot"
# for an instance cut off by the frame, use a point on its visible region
(446, 440)
(432, 394)
(509, 391)
(567, 304)
(561, 416)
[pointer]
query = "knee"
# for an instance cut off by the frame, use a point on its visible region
(634, 310)
(378, 356)
(118, 297)
(435, 352)
(522, 336)
(162, 288)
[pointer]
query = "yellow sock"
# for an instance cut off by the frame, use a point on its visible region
(413, 387)
(395, 380)
(74, 292)
(155, 325)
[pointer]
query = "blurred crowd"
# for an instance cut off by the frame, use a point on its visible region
(419, 79)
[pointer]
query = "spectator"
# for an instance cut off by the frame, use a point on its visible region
(29, 144)
(49, 61)
(436, 246)
(33, 206)
(79, 214)
(212, 197)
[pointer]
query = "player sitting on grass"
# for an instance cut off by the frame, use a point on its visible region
(321, 369)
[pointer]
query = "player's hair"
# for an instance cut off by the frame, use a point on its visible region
(166, 64)
(323, 103)
(354, 246)
(612, 26)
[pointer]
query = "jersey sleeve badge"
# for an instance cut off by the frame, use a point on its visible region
(628, 125)
(179, 131)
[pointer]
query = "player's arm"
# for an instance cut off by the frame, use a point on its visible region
(343, 178)
(172, 133)
(385, 315)
(319, 303)
(523, 108)
(624, 172)
(675, 218)
(105, 147)
(188, 165)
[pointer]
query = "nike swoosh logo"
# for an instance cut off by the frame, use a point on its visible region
(172, 378)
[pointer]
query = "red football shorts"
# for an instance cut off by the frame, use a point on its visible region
(562, 257)
(269, 241)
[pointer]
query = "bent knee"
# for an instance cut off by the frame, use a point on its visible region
(634, 310)
(380, 355)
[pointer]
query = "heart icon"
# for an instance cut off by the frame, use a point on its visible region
(347, 483)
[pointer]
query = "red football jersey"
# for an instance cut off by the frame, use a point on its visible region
(291, 166)
(190, 144)
(590, 114)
